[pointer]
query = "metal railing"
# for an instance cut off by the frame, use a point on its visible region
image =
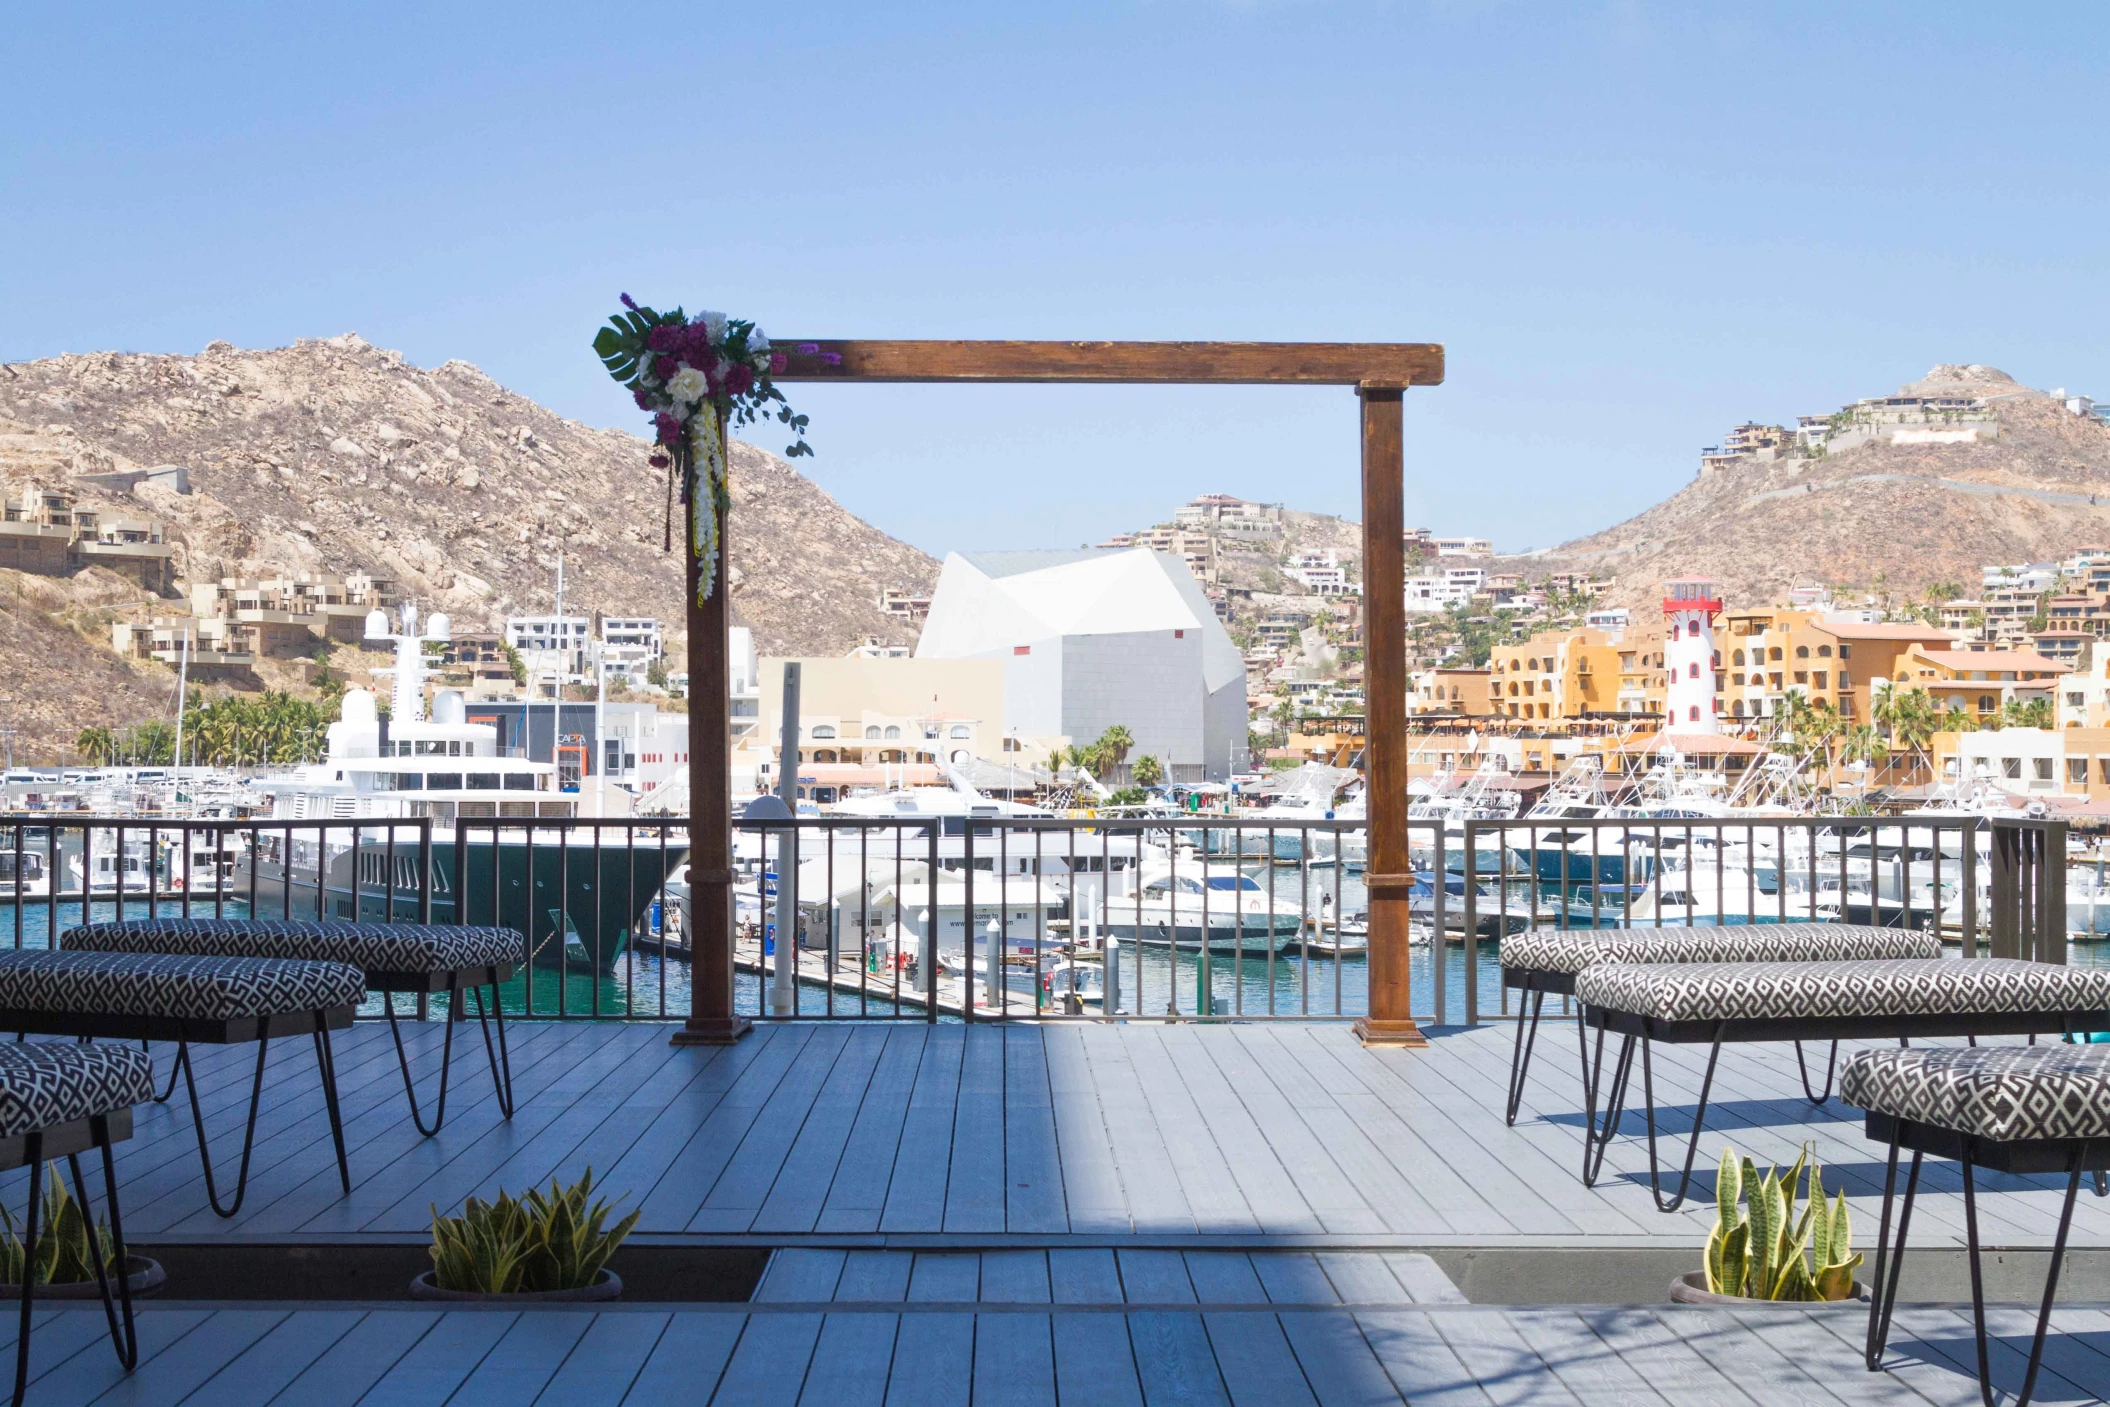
(929, 918)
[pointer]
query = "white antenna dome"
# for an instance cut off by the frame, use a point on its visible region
(377, 625)
(438, 627)
(447, 705)
(358, 707)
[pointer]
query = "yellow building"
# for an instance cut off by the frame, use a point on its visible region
(1451, 692)
(1557, 674)
(1761, 654)
(1981, 682)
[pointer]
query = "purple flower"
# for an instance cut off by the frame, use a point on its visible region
(643, 398)
(777, 362)
(628, 304)
(664, 338)
(666, 368)
(669, 429)
(739, 378)
(696, 341)
(807, 349)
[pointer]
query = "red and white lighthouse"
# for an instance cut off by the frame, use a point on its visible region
(1690, 605)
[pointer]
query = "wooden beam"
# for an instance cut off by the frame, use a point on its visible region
(1375, 364)
(1389, 876)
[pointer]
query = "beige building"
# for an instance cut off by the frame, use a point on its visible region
(47, 532)
(1457, 692)
(1556, 674)
(872, 721)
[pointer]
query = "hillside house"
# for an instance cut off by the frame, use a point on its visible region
(48, 533)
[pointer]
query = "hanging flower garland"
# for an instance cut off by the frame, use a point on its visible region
(700, 378)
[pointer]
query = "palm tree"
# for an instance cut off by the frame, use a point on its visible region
(98, 745)
(1117, 740)
(1149, 772)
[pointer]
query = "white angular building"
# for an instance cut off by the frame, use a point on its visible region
(1091, 638)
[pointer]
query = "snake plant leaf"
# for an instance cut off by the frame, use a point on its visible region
(1728, 1190)
(1836, 1282)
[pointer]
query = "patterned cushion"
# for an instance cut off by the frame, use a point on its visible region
(1573, 949)
(171, 985)
(1997, 1092)
(44, 1084)
(1901, 987)
(370, 947)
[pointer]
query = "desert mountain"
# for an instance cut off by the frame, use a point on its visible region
(1880, 517)
(335, 455)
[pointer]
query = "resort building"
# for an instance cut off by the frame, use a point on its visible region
(1980, 682)
(1555, 674)
(48, 533)
(1089, 639)
(1770, 650)
(1452, 691)
(1225, 513)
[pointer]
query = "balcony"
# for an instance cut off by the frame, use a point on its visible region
(914, 1189)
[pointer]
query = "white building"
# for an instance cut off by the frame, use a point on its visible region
(1464, 547)
(1090, 639)
(1320, 572)
(1689, 608)
(552, 647)
(634, 633)
(1613, 618)
(1431, 594)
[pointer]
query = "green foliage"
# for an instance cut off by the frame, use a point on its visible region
(1148, 771)
(63, 1257)
(2026, 713)
(543, 1241)
(266, 727)
(515, 665)
(1128, 796)
(1767, 1251)
(621, 346)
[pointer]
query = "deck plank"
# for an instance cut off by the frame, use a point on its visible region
(1094, 1362)
(1034, 1192)
(738, 1193)
(1084, 1275)
(605, 1361)
(875, 1277)
(1014, 1361)
(800, 1275)
(686, 1360)
(768, 1368)
(802, 1184)
(933, 1361)
(257, 1374)
(975, 1182)
(846, 1369)
(1154, 1277)
(367, 1353)
(523, 1363)
(1093, 1199)
(945, 1277)
(857, 1194)
(1175, 1360)
(1015, 1277)
(1224, 1277)
(915, 1199)
(443, 1359)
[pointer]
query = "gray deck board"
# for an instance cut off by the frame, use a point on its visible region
(687, 1360)
(1140, 1133)
(1258, 1366)
(933, 1361)
(1014, 1361)
(841, 1372)
(604, 1361)
(343, 1373)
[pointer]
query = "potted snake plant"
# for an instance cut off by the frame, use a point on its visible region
(548, 1245)
(65, 1266)
(1762, 1252)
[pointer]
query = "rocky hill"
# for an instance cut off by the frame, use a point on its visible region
(1881, 518)
(336, 455)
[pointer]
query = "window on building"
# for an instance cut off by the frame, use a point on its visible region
(1692, 671)
(1802, 652)
(1736, 678)
(872, 732)
(1821, 678)
(1737, 708)
(961, 730)
(1776, 652)
(1694, 714)
(2043, 768)
(824, 755)
(1825, 651)
(1986, 703)
(892, 733)
(1802, 676)
(2075, 700)
(1846, 652)
(1737, 658)
(2011, 767)
(2102, 770)
(2077, 770)
(823, 730)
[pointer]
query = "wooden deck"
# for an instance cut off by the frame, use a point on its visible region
(935, 1352)
(982, 1136)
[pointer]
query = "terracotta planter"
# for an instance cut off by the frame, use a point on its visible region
(1691, 1288)
(143, 1273)
(609, 1286)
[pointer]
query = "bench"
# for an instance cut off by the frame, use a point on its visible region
(424, 958)
(1543, 961)
(1715, 1003)
(2015, 1109)
(57, 1099)
(178, 997)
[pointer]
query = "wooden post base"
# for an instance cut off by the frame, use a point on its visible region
(720, 1030)
(1400, 1033)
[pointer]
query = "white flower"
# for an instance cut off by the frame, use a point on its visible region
(688, 385)
(714, 326)
(757, 342)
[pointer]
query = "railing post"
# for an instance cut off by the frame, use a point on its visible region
(2004, 892)
(2049, 941)
(929, 960)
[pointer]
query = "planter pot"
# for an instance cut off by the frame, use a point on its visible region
(143, 1273)
(609, 1286)
(1691, 1288)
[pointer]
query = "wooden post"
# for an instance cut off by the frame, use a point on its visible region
(711, 1018)
(1390, 876)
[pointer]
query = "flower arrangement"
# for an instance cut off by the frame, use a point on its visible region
(699, 377)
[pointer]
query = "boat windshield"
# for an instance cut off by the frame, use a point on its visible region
(1231, 881)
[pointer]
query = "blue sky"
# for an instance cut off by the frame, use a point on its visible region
(1632, 225)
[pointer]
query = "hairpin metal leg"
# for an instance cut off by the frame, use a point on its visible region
(326, 1067)
(1830, 1069)
(1595, 1144)
(2051, 1284)
(182, 1059)
(439, 1109)
(1520, 1055)
(124, 1336)
(1699, 1119)
(33, 1149)
(501, 1059)
(1884, 1296)
(197, 1110)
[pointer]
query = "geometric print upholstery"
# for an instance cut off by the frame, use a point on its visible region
(46, 1083)
(1571, 950)
(172, 985)
(1897, 987)
(370, 947)
(2003, 1093)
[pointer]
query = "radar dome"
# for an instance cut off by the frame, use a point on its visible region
(377, 625)
(438, 627)
(359, 706)
(447, 705)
